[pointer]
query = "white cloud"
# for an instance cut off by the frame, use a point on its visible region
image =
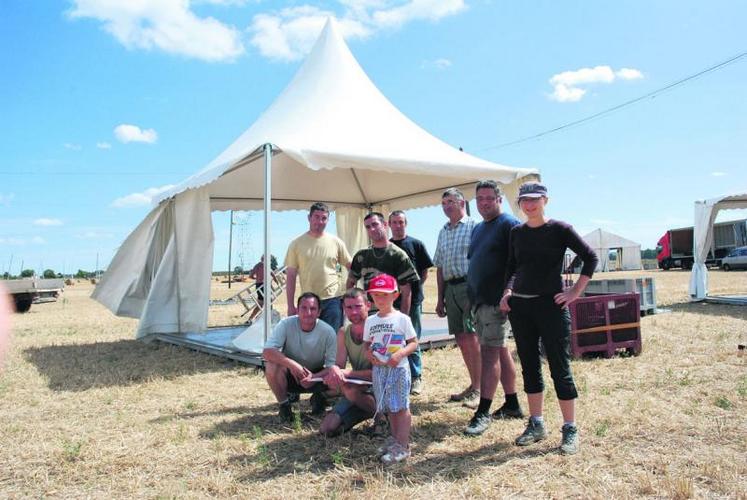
(168, 25)
(290, 34)
(439, 64)
(72, 147)
(567, 85)
(103, 145)
(47, 222)
(629, 74)
(94, 235)
(132, 133)
(287, 35)
(140, 199)
(431, 10)
(15, 241)
(12, 241)
(718, 174)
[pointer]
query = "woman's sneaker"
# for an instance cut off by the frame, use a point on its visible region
(569, 443)
(396, 454)
(534, 432)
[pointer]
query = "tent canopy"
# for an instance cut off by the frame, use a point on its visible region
(338, 140)
(603, 242)
(335, 138)
(705, 215)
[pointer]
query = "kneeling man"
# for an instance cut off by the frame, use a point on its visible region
(357, 403)
(299, 348)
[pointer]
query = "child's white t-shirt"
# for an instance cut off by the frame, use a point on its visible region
(388, 334)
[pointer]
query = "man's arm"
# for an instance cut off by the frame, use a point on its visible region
(440, 306)
(398, 356)
(354, 273)
(406, 295)
(290, 289)
(273, 355)
(350, 283)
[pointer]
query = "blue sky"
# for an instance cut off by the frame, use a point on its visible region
(105, 101)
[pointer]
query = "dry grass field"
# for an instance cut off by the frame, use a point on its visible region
(88, 412)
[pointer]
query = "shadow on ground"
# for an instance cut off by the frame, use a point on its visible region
(80, 367)
(283, 450)
(719, 310)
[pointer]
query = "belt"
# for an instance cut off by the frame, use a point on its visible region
(456, 281)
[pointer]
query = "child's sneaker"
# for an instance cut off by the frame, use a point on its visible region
(396, 454)
(384, 448)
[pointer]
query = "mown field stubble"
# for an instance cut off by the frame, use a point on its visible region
(86, 411)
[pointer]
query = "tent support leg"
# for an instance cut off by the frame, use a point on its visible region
(268, 258)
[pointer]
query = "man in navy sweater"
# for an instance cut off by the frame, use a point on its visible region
(488, 253)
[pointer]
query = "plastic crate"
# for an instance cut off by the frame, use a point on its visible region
(606, 324)
(645, 287)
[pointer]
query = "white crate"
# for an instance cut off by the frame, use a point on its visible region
(644, 287)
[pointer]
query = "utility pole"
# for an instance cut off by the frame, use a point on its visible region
(230, 243)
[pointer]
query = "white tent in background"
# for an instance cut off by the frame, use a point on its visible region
(330, 136)
(628, 251)
(705, 215)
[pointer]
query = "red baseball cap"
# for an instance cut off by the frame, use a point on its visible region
(383, 283)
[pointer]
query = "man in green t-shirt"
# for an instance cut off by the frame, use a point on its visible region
(357, 403)
(383, 257)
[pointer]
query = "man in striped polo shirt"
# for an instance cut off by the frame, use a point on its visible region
(452, 265)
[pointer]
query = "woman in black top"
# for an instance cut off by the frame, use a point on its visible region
(536, 303)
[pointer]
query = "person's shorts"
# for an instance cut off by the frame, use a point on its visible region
(458, 312)
(490, 325)
(294, 386)
(391, 388)
(350, 414)
(261, 292)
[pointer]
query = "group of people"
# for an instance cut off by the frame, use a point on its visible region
(489, 273)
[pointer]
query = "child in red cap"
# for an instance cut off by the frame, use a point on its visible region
(389, 338)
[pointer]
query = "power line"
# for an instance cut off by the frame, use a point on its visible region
(31, 172)
(620, 106)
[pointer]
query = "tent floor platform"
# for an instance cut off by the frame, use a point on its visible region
(736, 300)
(217, 340)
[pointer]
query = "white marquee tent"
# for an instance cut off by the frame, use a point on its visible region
(330, 136)
(628, 251)
(705, 215)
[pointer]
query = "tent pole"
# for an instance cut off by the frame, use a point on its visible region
(267, 316)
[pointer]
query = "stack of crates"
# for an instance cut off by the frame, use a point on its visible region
(644, 287)
(605, 324)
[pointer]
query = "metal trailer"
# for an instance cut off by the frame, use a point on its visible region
(675, 248)
(33, 291)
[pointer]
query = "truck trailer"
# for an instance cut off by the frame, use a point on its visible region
(25, 292)
(675, 248)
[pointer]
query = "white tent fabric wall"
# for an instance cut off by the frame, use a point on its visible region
(335, 139)
(705, 216)
(603, 242)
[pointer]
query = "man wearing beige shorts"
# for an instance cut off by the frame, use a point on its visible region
(488, 253)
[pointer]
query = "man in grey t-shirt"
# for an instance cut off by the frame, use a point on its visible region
(299, 348)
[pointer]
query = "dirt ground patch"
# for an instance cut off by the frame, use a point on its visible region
(86, 411)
